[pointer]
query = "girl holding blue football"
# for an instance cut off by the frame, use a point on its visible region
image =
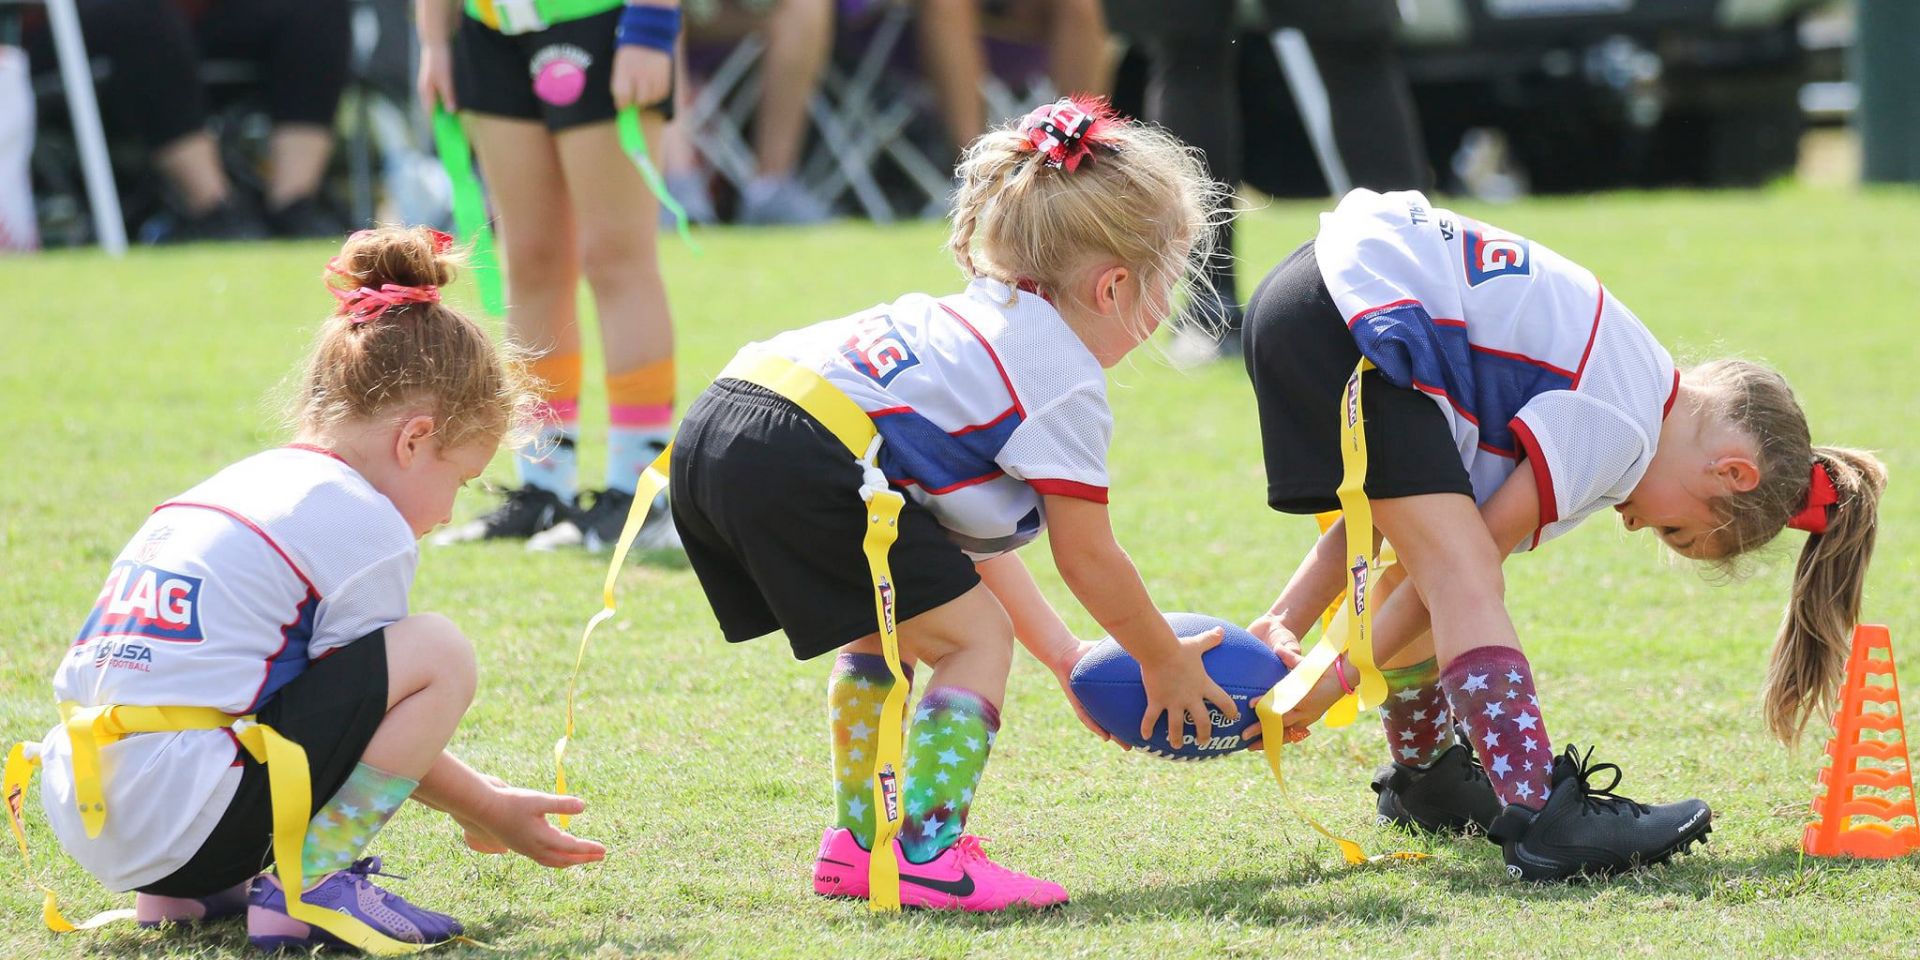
(273, 596)
(1073, 228)
(539, 84)
(1507, 396)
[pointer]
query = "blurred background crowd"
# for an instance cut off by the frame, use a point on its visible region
(247, 119)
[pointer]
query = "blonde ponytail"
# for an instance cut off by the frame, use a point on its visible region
(1810, 653)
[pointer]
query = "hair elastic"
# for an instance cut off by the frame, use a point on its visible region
(1065, 130)
(1820, 495)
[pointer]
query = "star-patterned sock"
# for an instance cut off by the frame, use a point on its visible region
(1419, 728)
(855, 693)
(947, 749)
(341, 829)
(1491, 690)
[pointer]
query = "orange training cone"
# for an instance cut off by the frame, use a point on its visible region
(1869, 701)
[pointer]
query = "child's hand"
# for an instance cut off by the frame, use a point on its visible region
(1063, 672)
(435, 81)
(642, 76)
(1178, 686)
(1270, 631)
(516, 819)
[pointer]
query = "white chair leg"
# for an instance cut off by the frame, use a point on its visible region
(1310, 98)
(76, 75)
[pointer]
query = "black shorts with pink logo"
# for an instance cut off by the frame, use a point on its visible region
(562, 76)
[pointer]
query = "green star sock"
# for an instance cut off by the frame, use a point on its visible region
(341, 830)
(947, 747)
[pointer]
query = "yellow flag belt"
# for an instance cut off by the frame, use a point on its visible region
(89, 729)
(1347, 626)
(855, 430)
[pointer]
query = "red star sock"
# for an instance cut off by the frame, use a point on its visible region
(1491, 690)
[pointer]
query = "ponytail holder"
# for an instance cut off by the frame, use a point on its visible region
(1059, 130)
(442, 242)
(363, 304)
(1820, 495)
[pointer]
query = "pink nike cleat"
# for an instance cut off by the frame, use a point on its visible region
(840, 869)
(960, 878)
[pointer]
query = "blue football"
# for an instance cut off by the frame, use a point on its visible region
(1107, 681)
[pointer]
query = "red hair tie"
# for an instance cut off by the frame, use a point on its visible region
(1066, 130)
(1820, 495)
(364, 304)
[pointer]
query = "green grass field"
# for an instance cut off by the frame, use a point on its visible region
(703, 764)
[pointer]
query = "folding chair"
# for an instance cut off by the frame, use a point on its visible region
(856, 126)
(720, 112)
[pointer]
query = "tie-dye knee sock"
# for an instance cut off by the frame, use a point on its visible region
(341, 830)
(1419, 729)
(855, 693)
(947, 747)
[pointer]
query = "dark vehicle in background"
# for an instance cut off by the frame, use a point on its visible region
(1604, 93)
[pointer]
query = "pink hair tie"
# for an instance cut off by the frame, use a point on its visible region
(1820, 495)
(1066, 130)
(363, 304)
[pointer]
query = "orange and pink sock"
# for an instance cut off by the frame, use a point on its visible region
(639, 420)
(550, 461)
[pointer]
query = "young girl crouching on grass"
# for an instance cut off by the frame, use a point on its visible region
(274, 594)
(1074, 228)
(1513, 396)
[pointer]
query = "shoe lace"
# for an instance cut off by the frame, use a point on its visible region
(971, 848)
(370, 867)
(1599, 798)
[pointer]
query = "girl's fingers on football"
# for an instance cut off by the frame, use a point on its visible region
(1152, 715)
(1218, 696)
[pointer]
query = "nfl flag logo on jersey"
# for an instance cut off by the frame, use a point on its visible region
(1494, 256)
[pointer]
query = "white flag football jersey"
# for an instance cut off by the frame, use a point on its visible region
(224, 596)
(1524, 351)
(986, 400)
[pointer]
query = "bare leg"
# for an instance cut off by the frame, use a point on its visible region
(1077, 47)
(968, 642)
(618, 224)
(799, 37)
(949, 35)
(192, 164)
(430, 682)
(297, 159)
(536, 231)
(1443, 541)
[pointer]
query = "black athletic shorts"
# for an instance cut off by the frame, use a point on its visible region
(767, 501)
(331, 711)
(1299, 355)
(537, 76)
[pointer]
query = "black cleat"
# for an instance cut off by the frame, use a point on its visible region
(1450, 795)
(598, 526)
(528, 511)
(1587, 831)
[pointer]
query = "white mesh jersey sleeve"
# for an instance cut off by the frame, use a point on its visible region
(1061, 448)
(1585, 454)
(372, 598)
(1588, 447)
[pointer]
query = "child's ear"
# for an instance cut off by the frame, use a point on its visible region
(1740, 474)
(412, 439)
(1106, 289)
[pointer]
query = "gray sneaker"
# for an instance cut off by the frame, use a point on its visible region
(770, 201)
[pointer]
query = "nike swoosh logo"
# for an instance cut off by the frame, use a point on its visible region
(836, 863)
(962, 887)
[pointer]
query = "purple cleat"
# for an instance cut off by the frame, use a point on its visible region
(349, 891)
(152, 911)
